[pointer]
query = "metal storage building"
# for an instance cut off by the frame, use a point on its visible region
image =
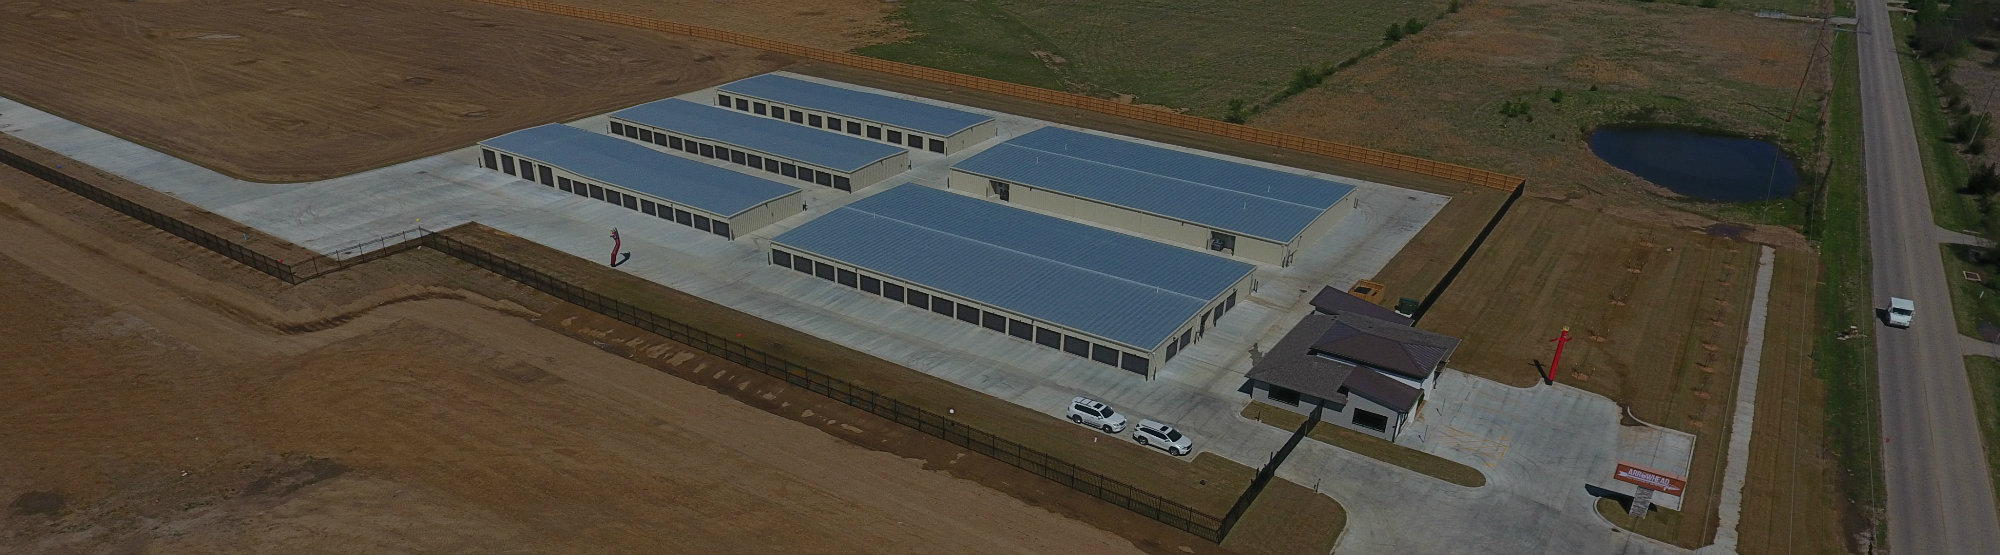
(1113, 298)
(862, 114)
(661, 185)
(831, 160)
(1206, 203)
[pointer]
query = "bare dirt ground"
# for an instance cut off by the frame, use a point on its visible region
(159, 398)
(1438, 94)
(281, 93)
(839, 25)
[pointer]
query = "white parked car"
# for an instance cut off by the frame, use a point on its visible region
(1089, 412)
(1162, 436)
(1900, 310)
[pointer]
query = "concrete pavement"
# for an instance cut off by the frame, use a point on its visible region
(1537, 446)
(1940, 496)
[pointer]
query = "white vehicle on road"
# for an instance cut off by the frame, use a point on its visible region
(1900, 310)
(1090, 412)
(1162, 436)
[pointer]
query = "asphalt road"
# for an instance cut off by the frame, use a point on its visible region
(1939, 493)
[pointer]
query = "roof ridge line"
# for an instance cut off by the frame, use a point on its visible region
(1136, 170)
(850, 206)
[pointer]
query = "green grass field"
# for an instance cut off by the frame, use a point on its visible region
(1984, 372)
(1848, 367)
(1944, 169)
(1193, 55)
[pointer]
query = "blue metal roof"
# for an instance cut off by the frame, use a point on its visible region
(798, 142)
(907, 114)
(1086, 278)
(615, 161)
(1226, 195)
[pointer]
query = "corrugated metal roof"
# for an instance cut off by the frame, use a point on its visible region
(798, 142)
(1226, 195)
(908, 114)
(1101, 282)
(615, 161)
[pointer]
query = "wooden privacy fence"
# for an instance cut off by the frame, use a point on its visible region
(1326, 148)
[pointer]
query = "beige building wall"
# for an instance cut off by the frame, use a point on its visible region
(1165, 229)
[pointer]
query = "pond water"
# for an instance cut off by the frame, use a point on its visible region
(1705, 167)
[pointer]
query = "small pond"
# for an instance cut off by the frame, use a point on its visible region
(1701, 166)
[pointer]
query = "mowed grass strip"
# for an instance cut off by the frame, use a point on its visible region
(1792, 501)
(1416, 270)
(1192, 55)
(1984, 373)
(1657, 318)
(1972, 301)
(1369, 446)
(1848, 367)
(1944, 170)
(1207, 483)
(1288, 518)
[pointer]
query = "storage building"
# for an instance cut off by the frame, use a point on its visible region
(661, 185)
(887, 119)
(776, 147)
(1112, 298)
(1179, 197)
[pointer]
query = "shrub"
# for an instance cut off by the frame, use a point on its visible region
(1556, 97)
(1304, 78)
(1237, 111)
(1971, 128)
(1394, 34)
(1453, 8)
(1984, 181)
(1412, 26)
(1710, 3)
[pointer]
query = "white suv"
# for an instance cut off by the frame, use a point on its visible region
(1089, 412)
(1164, 437)
(1900, 311)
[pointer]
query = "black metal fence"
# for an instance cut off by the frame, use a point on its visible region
(1047, 466)
(1042, 464)
(1269, 471)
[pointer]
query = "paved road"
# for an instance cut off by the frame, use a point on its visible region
(1939, 494)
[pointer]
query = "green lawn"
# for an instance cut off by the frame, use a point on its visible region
(1193, 55)
(1971, 301)
(1984, 373)
(1848, 367)
(1944, 169)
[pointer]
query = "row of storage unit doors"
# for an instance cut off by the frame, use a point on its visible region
(726, 154)
(544, 175)
(833, 123)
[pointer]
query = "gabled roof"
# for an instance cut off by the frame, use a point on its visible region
(1290, 365)
(1410, 352)
(1335, 301)
(1115, 286)
(907, 114)
(616, 161)
(798, 142)
(1234, 197)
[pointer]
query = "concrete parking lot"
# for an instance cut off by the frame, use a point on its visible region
(1537, 446)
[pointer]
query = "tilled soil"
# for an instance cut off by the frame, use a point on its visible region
(284, 93)
(153, 407)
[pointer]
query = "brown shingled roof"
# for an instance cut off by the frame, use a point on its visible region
(1408, 351)
(1291, 364)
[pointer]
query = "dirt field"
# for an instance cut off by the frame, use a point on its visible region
(1793, 502)
(1656, 317)
(273, 93)
(393, 408)
(1438, 95)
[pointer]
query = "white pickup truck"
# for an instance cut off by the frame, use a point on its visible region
(1900, 310)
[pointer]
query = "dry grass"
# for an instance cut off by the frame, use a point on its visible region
(829, 24)
(1657, 320)
(1438, 95)
(1209, 483)
(1369, 446)
(1288, 518)
(1791, 501)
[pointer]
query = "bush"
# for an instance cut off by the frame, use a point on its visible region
(1412, 26)
(1453, 8)
(1513, 109)
(1556, 97)
(1984, 181)
(1710, 3)
(1394, 34)
(1304, 78)
(1238, 112)
(1972, 128)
